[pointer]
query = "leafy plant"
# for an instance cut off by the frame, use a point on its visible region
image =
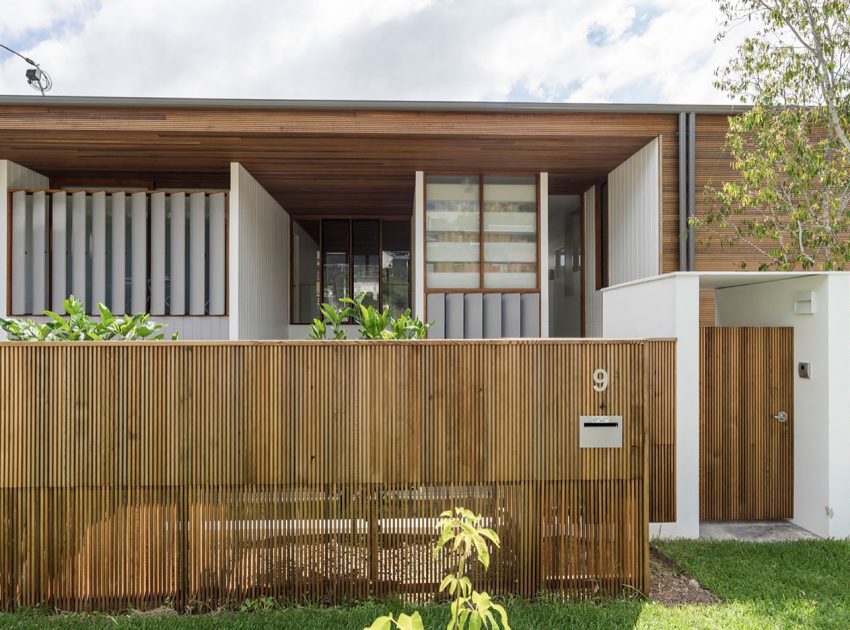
(404, 622)
(790, 197)
(261, 604)
(77, 326)
(371, 323)
(461, 536)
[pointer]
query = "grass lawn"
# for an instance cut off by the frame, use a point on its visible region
(763, 586)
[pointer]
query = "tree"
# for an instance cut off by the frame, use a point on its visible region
(791, 150)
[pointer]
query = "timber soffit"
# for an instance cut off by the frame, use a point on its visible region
(366, 105)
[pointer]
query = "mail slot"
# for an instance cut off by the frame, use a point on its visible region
(600, 432)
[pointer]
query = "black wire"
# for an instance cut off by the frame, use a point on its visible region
(15, 52)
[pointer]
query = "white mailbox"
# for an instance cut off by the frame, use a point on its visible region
(600, 432)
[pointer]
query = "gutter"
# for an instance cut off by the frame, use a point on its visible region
(365, 105)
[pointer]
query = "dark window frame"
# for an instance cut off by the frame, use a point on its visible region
(334, 217)
(601, 224)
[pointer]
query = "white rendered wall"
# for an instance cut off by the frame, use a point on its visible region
(634, 215)
(821, 411)
(592, 297)
(259, 260)
(668, 306)
(12, 176)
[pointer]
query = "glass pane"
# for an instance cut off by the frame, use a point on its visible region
(305, 271)
(335, 263)
(510, 232)
(395, 266)
(365, 255)
(452, 233)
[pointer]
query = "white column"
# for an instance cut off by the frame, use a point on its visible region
(138, 261)
(197, 253)
(158, 253)
(119, 253)
(418, 253)
(98, 251)
(217, 253)
(59, 226)
(19, 252)
(39, 252)
(78, 245)
(543, 249)
(178, 254)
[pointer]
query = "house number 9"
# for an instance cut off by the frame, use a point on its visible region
(600, 379)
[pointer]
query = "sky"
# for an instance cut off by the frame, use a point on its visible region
(620, 51)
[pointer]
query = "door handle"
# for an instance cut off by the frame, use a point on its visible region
(781, 416)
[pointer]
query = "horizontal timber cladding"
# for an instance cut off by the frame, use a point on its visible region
(713, 169)
(131, 474)
(746, 455)
(315, 161)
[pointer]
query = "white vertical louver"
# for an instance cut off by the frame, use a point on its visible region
(119, 252)
(158, 253)
(59, 227)
(19, 252)
(78, 245)
(138, 251)
(39, 252)
(178, 254)
(197, 253)
(98, 251)
(217, 254)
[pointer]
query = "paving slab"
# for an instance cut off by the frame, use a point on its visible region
(754, 531)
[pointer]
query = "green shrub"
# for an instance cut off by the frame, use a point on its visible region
(371, 323)
(461, 534)
(78, 327)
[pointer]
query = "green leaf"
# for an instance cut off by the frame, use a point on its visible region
(381, 623)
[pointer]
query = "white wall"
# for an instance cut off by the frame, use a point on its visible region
(12, 176)
(592, 297)
(821, 411)
(668, 306)
(634, 215)
(259, 260)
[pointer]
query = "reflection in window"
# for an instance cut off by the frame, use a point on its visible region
(305, 270)
(510, 232)
(336, 246)
(366, 249)
(337, 258)
(395, 266)
(452, 233)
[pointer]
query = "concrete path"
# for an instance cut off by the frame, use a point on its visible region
(753, 531)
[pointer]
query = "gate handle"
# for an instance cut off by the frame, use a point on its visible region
(781, 416)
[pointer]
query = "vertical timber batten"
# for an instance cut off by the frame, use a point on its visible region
(239, 477)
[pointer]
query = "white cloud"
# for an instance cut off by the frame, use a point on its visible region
(589, 50)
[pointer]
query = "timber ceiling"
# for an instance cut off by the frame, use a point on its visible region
(357, 162)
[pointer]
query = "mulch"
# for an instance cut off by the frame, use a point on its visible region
(670, 584)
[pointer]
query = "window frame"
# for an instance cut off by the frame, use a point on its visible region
(481, 288)
(602, 241)
(341, 217)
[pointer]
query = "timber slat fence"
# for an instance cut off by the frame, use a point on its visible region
(134, 474)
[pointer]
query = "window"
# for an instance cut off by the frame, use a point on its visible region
(481, 233)
(335, 258)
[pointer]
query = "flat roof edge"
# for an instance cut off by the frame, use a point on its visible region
(447, 106)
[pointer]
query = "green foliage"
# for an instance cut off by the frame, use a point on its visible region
(261, 604)
(371, 323)
(77, 326)
(404, 622)
(790, 199)
(461, 536)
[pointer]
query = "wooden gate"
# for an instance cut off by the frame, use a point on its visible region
(746, 448)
